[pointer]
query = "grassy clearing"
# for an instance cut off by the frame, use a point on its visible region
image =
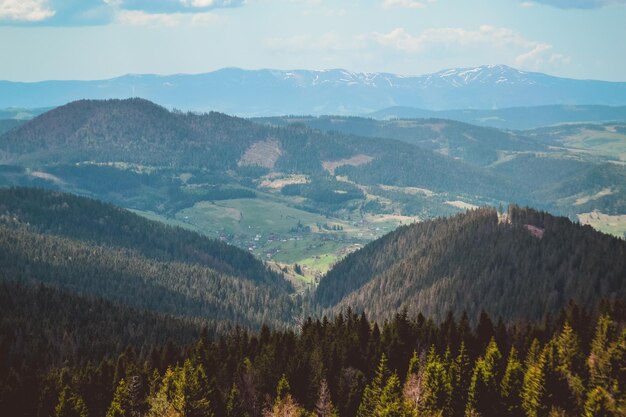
(607, 143)
(613, 225)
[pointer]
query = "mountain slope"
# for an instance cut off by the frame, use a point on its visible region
(91, 135)
(472, 144)
(47, 326)
(106, 252)
(102, 224)
(277, 92)
(567, 169)
(523, 268)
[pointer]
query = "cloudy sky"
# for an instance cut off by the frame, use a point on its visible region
(96, 39)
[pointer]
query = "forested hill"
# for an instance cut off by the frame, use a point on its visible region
(93, 249)
(524, 265)
(142, 136)
(100, 223)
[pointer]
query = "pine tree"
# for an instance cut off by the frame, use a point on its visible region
(413, 385)
(437, 389)
(284, 404)
(160, 406)
(283, 388)
(533, 389)
(618, 367)
(234, 405)
(70, 405)
(599, 404)
(599, 361)
(391, 403)
(120, 405)
(511, 385)
(192, 391)
(484, 392)
(373, 391)
(324, 406)
(461, 384)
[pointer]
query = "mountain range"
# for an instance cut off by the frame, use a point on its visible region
(277, 92)
(306, 191)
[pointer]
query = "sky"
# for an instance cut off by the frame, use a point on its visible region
(100, 39)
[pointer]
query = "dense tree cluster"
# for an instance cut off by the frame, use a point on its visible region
(521, 265)
(327, 191)
(574, 365)
(103, 224)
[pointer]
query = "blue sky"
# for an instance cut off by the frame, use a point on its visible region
(97, 39)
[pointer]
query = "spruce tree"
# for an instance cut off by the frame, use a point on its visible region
(484, 392)
(437, 388)
(373, 391)
(234, 405)
(511, 385)
(599, 360)
(70, 405)
(461, 383)
(533, 393)
(391, 403)
(120, 405)
(599, 404)
(324, 406)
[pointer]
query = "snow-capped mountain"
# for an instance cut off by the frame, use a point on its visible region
(336, 91)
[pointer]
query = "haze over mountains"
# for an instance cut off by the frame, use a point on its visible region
(277, 92)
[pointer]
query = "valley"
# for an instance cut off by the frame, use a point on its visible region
(311, 208)
(307, 208)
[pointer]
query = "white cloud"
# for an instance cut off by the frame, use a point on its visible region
(25, 10)
(206, 18)
(100, 12)
(526, 53)
(198, 3)
(410, 4)
(140, 18)
(581, 4)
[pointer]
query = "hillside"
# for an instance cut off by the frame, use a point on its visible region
(40, 325)
(102, 224)
(92, 249)
(288, 194)
(100, 134)
(337, 91)
(472, 144)
(568, 169)
(526, 267)
(8, 124)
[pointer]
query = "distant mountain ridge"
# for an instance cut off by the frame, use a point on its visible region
(275, 92)
(513, 117)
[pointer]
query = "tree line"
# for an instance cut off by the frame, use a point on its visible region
(571, 365)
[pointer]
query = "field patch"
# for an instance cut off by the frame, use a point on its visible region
(264, 154)
(606, 223)
(462, 205)
(355, 161)
(585, 199)
(408, 190)
(276, 181)
(608, 142)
